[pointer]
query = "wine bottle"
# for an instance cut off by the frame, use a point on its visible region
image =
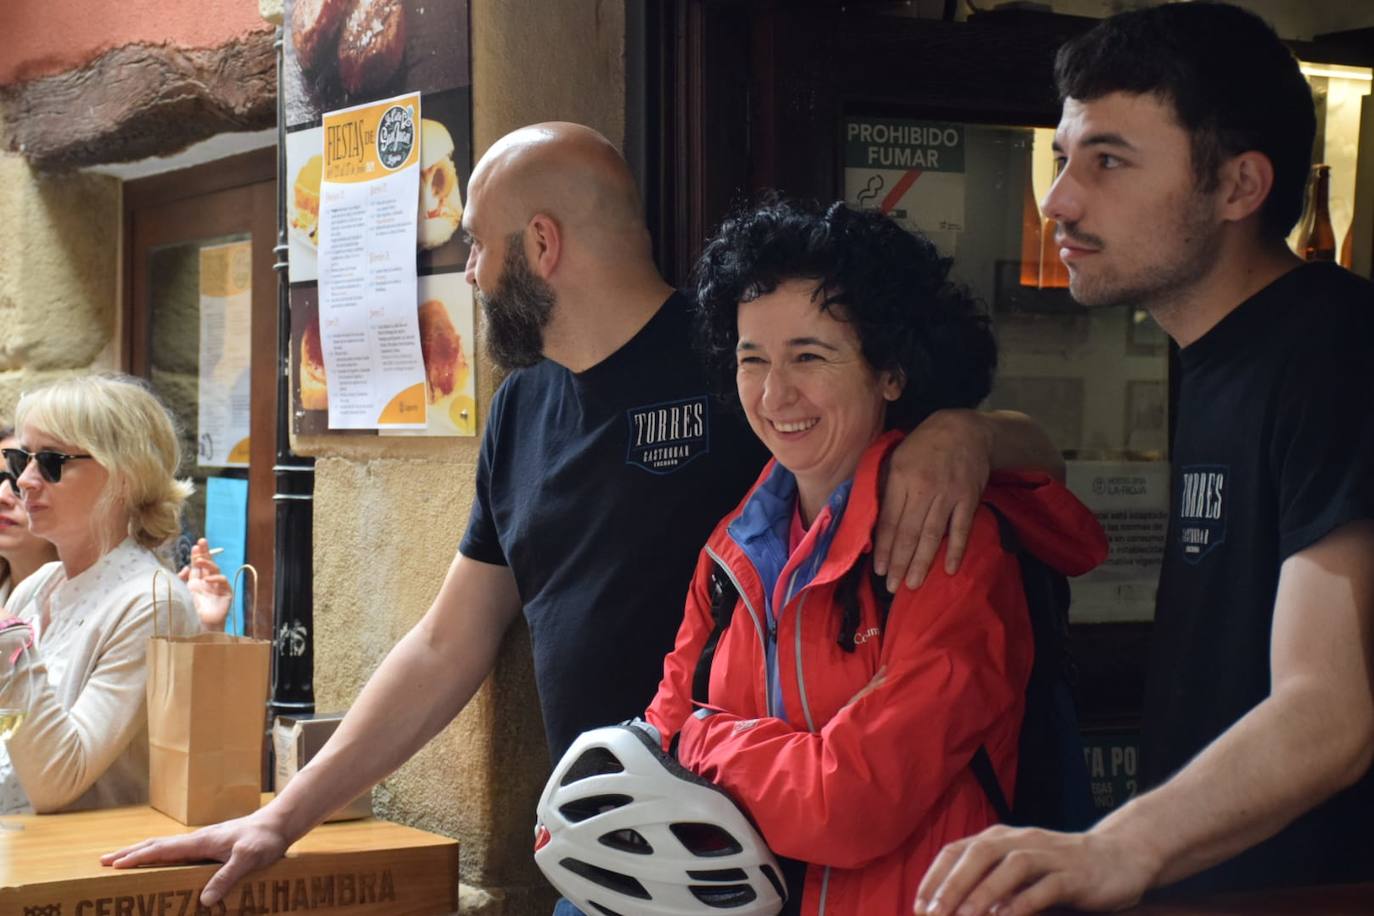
(1053, 273)
(1030, 231)
(1348, 247)
(1317, 240)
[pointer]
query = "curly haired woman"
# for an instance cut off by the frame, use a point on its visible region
(847, 732)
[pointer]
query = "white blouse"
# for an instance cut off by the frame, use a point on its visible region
(84, 740)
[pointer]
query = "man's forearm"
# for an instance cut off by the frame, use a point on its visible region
(1017, 441)
(410, 698)
(1287, 755)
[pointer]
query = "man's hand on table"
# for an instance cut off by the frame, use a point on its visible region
(244, 845)
(1014, 871)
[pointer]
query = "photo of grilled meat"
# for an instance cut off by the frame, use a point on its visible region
(371, 45)
(315, 29)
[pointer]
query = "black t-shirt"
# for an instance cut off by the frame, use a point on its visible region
(599, 489)
(1274, 450)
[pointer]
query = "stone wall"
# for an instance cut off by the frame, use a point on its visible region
(59, 275)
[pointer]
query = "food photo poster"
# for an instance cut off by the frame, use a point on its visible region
(352, 54)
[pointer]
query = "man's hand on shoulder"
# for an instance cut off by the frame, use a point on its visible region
(244, 845)
(935, 479)
(932, 486)
(1020, 871)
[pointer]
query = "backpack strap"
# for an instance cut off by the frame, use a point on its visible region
(1047, 600)
(1052, 787)
(847, 595)
(881, 596)
(981, 765)
(723, 598)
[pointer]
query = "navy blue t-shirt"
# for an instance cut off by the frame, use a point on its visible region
(599, 489)
(1274, 450)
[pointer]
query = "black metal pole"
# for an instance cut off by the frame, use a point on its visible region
(293, 657)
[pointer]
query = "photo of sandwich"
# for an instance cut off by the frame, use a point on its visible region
(305, 172)
(441, 200)
(445, 164)
(314, 391)
(446, 369)
(305, 198)
(445, 315)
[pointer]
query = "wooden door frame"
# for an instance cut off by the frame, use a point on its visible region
(232, 195)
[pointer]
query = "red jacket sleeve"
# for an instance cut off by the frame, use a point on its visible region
(956, 658)
(672, 705)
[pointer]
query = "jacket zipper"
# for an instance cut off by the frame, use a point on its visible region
(811, 727)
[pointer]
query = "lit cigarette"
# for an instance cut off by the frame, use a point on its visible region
(216, 550)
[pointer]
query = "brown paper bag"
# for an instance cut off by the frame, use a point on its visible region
(207, 697)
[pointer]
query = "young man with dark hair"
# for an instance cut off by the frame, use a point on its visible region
(1184, 144)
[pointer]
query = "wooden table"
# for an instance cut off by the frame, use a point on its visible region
(1322, 900)
(52, 867)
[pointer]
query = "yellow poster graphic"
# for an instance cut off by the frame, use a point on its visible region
(369, 329)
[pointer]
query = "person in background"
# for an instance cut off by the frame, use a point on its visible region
(21, 553)
(847, 733)
(1184, 148)
(95, 463)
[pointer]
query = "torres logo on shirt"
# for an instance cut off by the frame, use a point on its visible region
(1201, 510)
(664, 437)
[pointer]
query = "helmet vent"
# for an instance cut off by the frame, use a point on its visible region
(724, 897)
(772, 876)
(627, 841)
(583, 808)
(706, 839)
(602, 910)
(613, 881)
(718, 874)
(597, 761)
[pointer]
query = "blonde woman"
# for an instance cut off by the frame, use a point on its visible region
(95, 467)
(21, 554)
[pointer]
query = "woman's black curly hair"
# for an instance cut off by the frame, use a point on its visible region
(892, 285)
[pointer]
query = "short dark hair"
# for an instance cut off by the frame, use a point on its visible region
(891, 285)
(1233, 85)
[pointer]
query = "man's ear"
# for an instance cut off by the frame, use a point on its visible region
(892, 384)
(1246, 181)
(547, 238)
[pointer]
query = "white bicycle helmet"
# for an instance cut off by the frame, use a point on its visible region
(625, 830)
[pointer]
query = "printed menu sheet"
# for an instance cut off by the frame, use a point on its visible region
(1131, 501)
(369, 329)
(225, 401)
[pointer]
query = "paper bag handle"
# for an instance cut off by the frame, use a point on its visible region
(234, 586)
(168, 582)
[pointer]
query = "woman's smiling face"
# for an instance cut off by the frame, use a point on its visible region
(810, 395)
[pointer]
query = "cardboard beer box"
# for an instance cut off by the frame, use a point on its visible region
(296, 740)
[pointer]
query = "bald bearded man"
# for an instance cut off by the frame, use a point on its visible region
(605, 464)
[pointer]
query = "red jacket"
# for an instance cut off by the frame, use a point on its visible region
(868, 790)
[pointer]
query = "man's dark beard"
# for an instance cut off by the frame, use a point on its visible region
(517, 311)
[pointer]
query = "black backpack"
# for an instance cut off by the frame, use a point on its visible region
(1052, 787)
